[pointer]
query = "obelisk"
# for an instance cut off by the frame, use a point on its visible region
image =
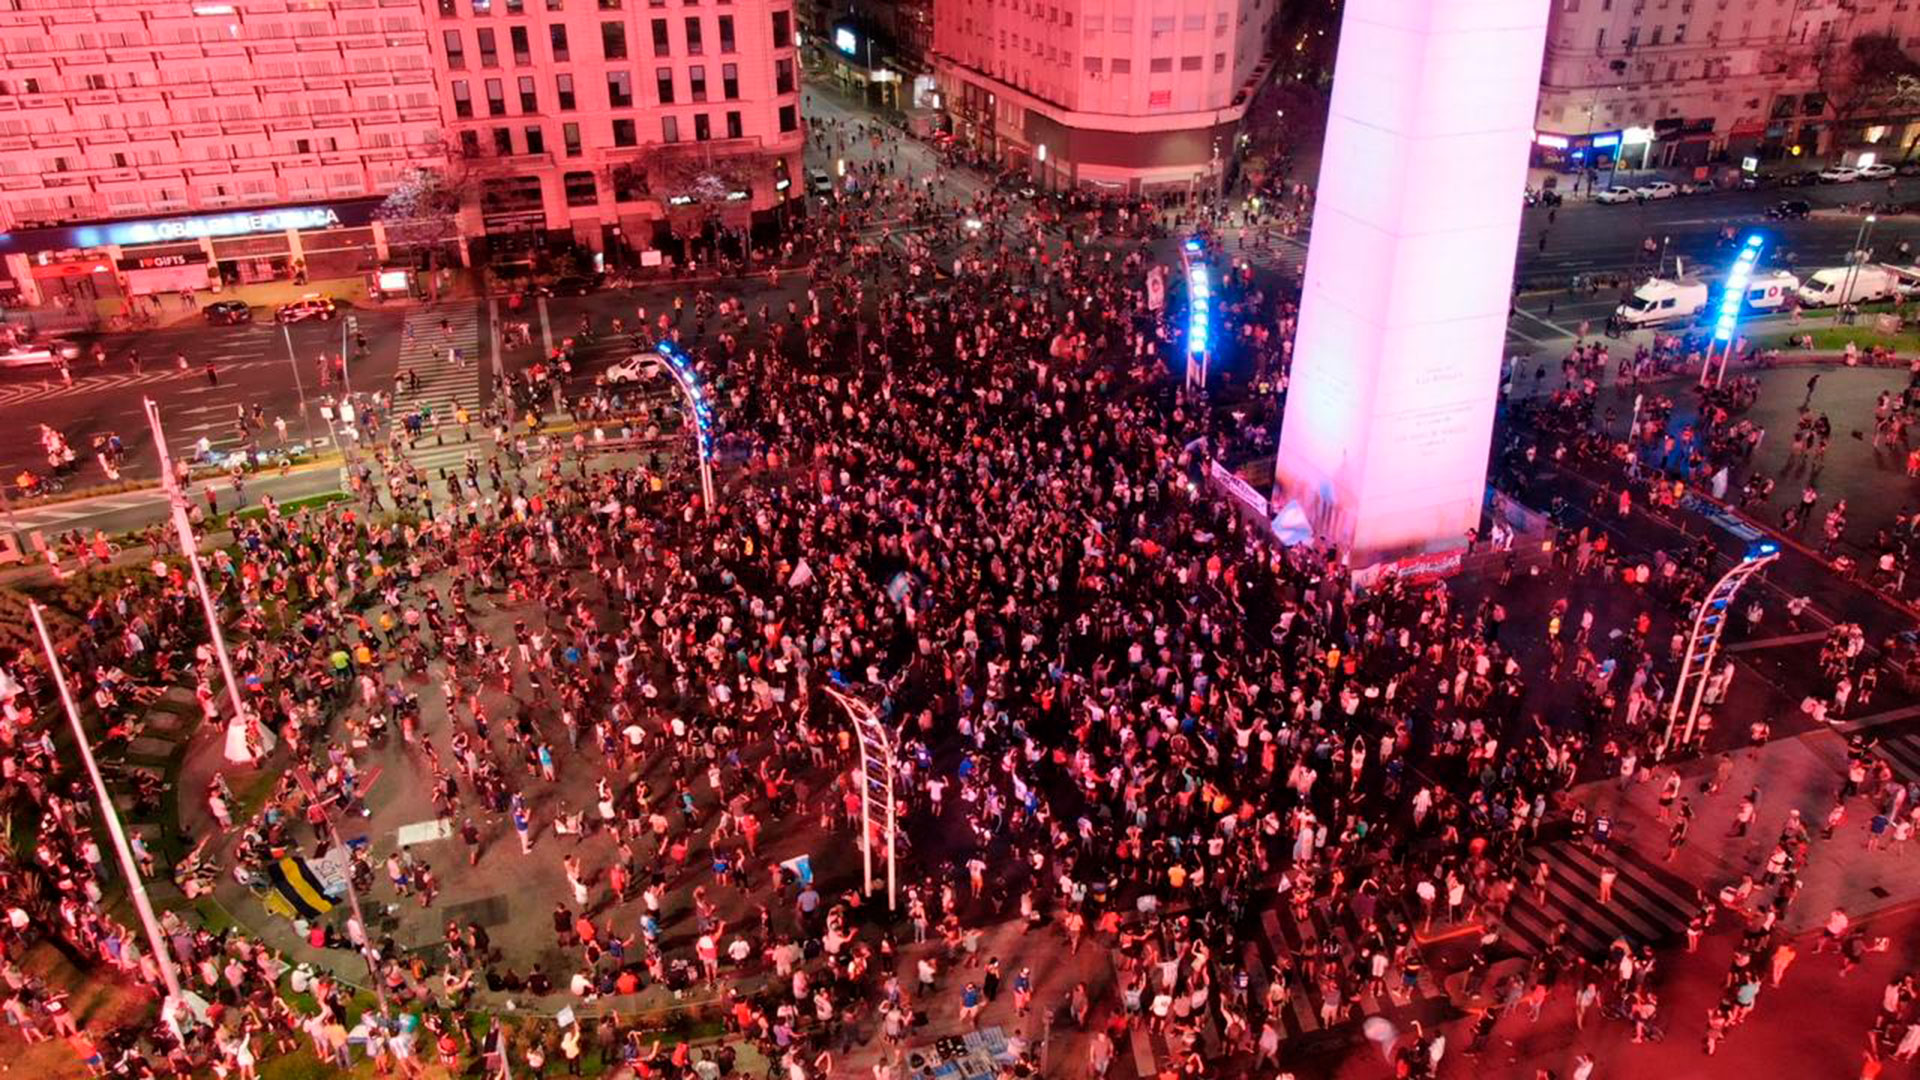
(1397, 361)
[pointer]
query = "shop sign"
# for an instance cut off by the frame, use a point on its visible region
(192, 228)
(161, 262)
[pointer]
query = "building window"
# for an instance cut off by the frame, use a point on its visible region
(496, 98)
(564, 85)
(470, 143)
(1093, 65)
(730, 81)
(669, 129)
(516, 7)
(529, 101)
(663, 85)
(570, 135)
(783, 75)
(661, 47)
(503, 142)
(623, 133)
(456, 52)
(557, 34)
(522, 51)
(581, 190)
(613, 41)
(789, 118)
(619, 89)
(1160, 65)
(609, 5)
(693, 37)
(1219, 62)
(1120, 67)
(536, 139)
(782, 29)
(489, 56)
(1189, 63)
(726, 33)
(697, 83)
(462, 98)
(734, 128)
(702, 128)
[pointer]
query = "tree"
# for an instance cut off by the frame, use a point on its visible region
(421, 212)
(1873, 76)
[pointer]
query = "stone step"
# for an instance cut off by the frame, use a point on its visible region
(148, 748)
(165, 720)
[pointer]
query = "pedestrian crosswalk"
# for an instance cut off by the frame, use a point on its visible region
(441, 345)
(1646, 906)
(159, 374)
(1902, 755)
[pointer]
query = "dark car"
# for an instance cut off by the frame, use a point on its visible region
(228, 312)
(571, 285)
(1790, 209)
(1803, 179)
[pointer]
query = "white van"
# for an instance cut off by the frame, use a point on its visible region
(1659, 302)
(1838, 285)
(1771, 291)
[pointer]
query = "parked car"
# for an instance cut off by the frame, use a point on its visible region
(38, 353)
(1800, 179)
(228, 312)
(1908, 168)
(307, 307)
(1790, 209)
(1839, 174)
(1659, 189)
(571, 285)
(1877, 171)
(636, 368)
(819, 182)
(1615, 195)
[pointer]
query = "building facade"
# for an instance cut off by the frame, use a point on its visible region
(619, 123)
(1115, 96)
(244, 140)
(1687, 82)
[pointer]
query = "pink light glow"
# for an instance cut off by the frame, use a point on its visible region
(1403, 323)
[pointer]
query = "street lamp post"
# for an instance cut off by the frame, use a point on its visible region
(137, 888)
(1854, 259)
(189, 547)
(299, 387)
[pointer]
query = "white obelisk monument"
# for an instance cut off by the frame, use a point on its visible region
(1397, 361)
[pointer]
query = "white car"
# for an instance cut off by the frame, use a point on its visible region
(38, 353)
(1877, 171)
(1659, 189)
(1615, 195)
(1839, 174)
(633, 369)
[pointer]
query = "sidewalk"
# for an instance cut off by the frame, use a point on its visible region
(1803, 774)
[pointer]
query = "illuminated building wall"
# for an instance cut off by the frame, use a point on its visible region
(1121, 96)
(604, 118)
(113, 109)
(1403, 322)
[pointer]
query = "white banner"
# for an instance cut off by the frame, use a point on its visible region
(1238, 488)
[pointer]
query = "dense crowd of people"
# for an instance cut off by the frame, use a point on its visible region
(966, 485)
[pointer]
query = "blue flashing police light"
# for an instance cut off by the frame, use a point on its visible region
(1734, 294)
(1199, 307)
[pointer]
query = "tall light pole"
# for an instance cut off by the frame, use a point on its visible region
(304, 777)
(298, 386)
(1854, 259)
(189, 547)
(156, 941)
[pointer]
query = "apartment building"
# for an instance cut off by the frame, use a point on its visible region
(177, 142)
(1685, 82)
(620, 123)
(1118, 96)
